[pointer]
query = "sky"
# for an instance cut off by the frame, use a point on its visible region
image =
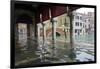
(82, 10)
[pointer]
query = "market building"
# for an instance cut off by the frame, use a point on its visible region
(44, 33)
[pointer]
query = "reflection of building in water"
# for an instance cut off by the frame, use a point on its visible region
(83, 23)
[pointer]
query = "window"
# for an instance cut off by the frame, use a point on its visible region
(89, 20)
(80, 30)
(85, 20)
(21, 30)
(75, 30)
(77, 23)
(80, 24)
(83, 25)
(77, 17)
(80, 18)
(89, 25)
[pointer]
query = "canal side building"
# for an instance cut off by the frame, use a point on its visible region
(83, 23)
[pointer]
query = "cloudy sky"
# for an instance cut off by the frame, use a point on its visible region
(82, 10)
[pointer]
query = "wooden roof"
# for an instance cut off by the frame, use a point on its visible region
(43, 8)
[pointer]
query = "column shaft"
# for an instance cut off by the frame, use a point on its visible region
(71, 30)
(44, 35)
(53, 37)
(38, 34)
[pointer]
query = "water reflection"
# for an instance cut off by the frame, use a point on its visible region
(34, 52)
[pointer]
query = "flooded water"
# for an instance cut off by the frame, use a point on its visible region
(60, 52)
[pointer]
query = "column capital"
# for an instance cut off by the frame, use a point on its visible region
(53, 21)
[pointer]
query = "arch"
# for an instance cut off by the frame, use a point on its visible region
(59, 32)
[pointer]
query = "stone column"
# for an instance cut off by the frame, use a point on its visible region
(53, 37)
(71, 29)
(53, 33)
(44, 34)
(31, 32)
(66, 24)
(72, 52)
(28, 36)
(38, 33)
(65, 30)
(40, 45)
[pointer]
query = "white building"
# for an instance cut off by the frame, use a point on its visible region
(91, 22)
(83, 23)
(78, 24)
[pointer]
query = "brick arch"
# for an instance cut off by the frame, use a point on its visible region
(59, 30)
